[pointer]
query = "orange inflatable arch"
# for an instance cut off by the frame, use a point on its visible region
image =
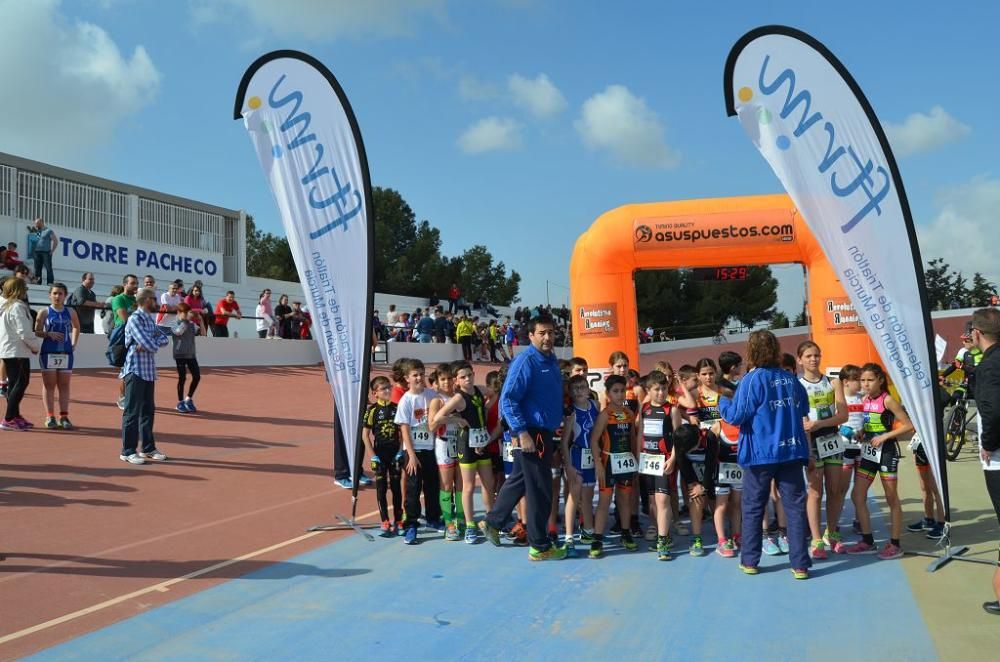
(752, 230)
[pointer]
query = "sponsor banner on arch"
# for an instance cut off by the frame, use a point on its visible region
(598, 319)
(812, 123)
(839, 316)
(309, 145)
(706, 231)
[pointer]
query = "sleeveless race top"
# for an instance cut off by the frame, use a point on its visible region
(856, 411)
(617, 437)
(878, 419)
(475, 409)
(708, 407)
(657, 429)
(445, 432)
(584, 424)
(822, 400)
(58, 321)
(631, 400)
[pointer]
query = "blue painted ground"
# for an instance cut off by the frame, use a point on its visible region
(445, 601)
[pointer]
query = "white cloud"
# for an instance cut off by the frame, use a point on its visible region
(539, 96)
(323, 19)
(621, 123)
(473, 89)
(962, 230)
(67, 84)
(491, 134)
(924, 133)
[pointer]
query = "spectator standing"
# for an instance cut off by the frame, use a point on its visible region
(225, 309)
(441, 326)
(985, 333)
(453, 294)
(264, 315)
(425, 329)
(282, 317)
(305, 328)
(532, 404)
(17, 344)
(149, 283)
(200, 310)
(122, 306)
(183, 334)
(142, 340)
(84, 301)
(169, 301)
(59, 328)
(464, 333)
(44, 248)
(391, 315)
(433, 301)
(107, 315)
(295, 321)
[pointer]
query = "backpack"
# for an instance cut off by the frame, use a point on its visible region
(116, 347)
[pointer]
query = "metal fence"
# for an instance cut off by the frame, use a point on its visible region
(6, 190)
(165, 223)
(69, 204)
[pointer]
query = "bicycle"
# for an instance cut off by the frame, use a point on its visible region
(957, 424)
(720, 338)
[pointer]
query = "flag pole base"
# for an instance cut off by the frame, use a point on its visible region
(947, 553)
(347, 524)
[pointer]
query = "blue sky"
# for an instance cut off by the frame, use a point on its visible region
(502, 119)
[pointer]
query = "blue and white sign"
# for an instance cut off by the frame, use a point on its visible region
(143, 259)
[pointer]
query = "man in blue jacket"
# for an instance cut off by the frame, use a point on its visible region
(768, 406)
(531, 404)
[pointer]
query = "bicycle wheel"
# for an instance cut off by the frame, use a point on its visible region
(955, 431)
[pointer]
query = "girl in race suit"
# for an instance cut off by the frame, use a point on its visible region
(59, 328)
(446, 453)
(885, 422)
(851, 432)
(612, 442)
(469, 406)
(657, 423)
(634, 396)
(695, 452)
(827, 411)
(580, 476)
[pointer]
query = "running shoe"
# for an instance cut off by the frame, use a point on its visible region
(386, 528)
(344, 482)
(835, 542)
(586, 537)
(749, 569)
(24, 423)
(628, 542)
(490, 533)
(861, 547)
(937, 531)
(189, 403)
(736, 540)
(570, 549)
(437, 525)
(452, 535)
(696, 548)
(154, 455)
(519, 534)
(770, 547)
(553, 553)
(663, 548)
(470, 535)
(783, 542)
(596, 549)
(410, 537)
(726, 549)
(651, 533)
(890, 552)
(132, 458)
(800, 573)
(925, 524)
(64, 423)
(553, 536)
(182, 407)
(818, 550)
(11, 425)
(51, 422)
(683, 529)
(398, 529)
(365, 480)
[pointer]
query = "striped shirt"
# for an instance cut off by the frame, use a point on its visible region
(142, 339)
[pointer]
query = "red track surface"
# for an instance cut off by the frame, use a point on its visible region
(80, 528)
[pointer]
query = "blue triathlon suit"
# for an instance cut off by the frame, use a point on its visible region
(584, 425)
(58, 321)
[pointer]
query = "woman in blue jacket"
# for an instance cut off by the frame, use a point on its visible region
(769, 406)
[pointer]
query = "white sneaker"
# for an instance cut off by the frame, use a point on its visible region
(155, 455)
(132, 459)
(121, 403)
(651, 533)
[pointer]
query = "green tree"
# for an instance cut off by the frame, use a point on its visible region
(802, 319)
(779, 320)
(268, 255)
(981, 291)
(938, 280)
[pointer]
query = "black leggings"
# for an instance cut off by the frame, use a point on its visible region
(18, 375)
(388, 478)
(182, 367)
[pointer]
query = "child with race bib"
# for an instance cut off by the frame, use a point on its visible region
(827, 411)
(851, 432)
(59, 328)
(613, 445)
(579, 458)
(657, 422)
(696, 456)
(381, 436)
(446, 454)
(469, 407)
(885, 422)
(411, 417)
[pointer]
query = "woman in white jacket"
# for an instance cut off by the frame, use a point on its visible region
(265, 316)
(17, 344)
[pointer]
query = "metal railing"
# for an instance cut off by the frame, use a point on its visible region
(166, 223)
(70, 204)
